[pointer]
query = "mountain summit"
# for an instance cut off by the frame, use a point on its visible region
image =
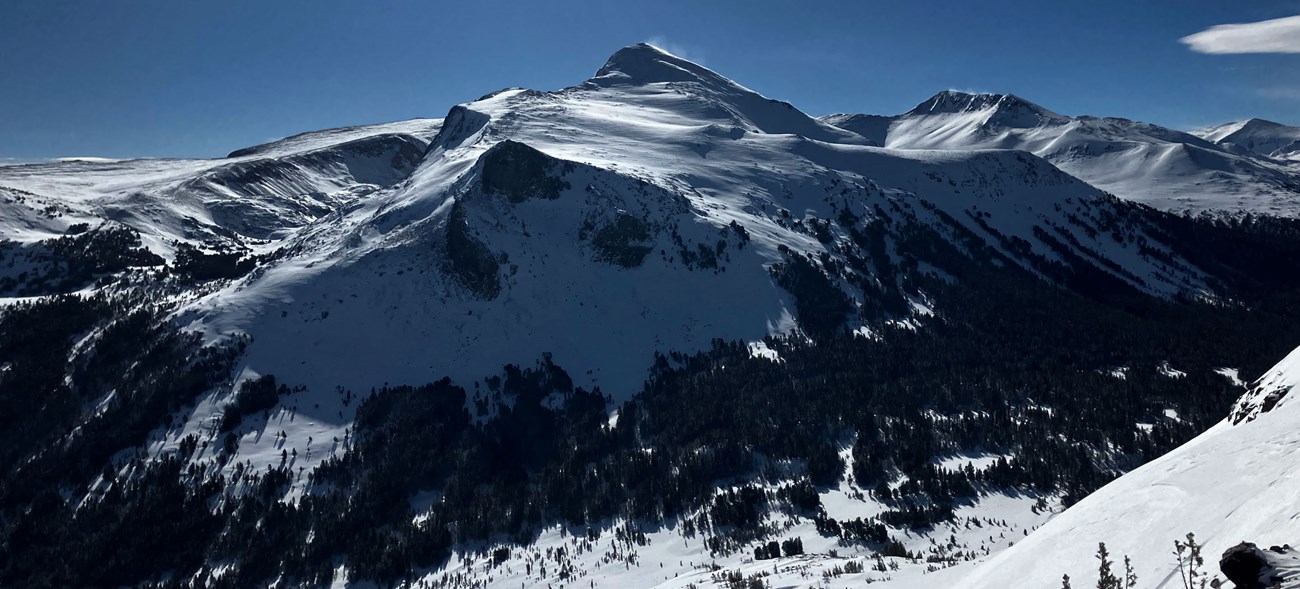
(643, 63)
(1002, 110)
(1258, 137)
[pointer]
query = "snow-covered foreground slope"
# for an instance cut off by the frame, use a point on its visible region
(1145, 163)
(1233, 483)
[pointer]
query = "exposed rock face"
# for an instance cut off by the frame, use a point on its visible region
(520, 172)
(1249, 567)
(1243, 564)
(1270, 391)
(471, 261)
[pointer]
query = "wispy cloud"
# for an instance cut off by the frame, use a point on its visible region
(1280, 35)
(969, 90)
(18, 161)
(1280, 93)
(86, 159)
(677, 49)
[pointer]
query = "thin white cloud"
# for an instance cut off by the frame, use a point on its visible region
(18, 161)
(1280, 35)
(1280, 92)
(86, 159)
(970, 91)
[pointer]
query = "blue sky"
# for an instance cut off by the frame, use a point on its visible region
(202, 77)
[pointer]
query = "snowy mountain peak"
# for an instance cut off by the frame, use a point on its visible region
(643, 64)
(1017, 111)
(1256, 125)
(635, 72)
(954, 101)
(1222, 132)
(1256, 137)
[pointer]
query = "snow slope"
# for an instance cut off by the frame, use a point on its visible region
(668, 559)
(1231, 484)
(1256, 136)
(1137, 161)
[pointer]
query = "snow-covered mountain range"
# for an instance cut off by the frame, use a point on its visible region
(615, 204)
(619, 228)
(1239, 167)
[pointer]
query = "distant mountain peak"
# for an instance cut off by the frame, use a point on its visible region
(1254, 136)
(1261, 123)
(956, 101)
(1246, 125)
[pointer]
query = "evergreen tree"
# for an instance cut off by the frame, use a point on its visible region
(1106, 578)
(1130, 576)
(1190, 563)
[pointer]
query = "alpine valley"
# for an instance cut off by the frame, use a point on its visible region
(656, 330)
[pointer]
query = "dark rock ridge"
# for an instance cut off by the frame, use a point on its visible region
(521, 172)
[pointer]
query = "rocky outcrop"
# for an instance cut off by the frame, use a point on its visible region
(1249, 567)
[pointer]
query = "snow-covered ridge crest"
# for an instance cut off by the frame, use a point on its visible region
(254, 196)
